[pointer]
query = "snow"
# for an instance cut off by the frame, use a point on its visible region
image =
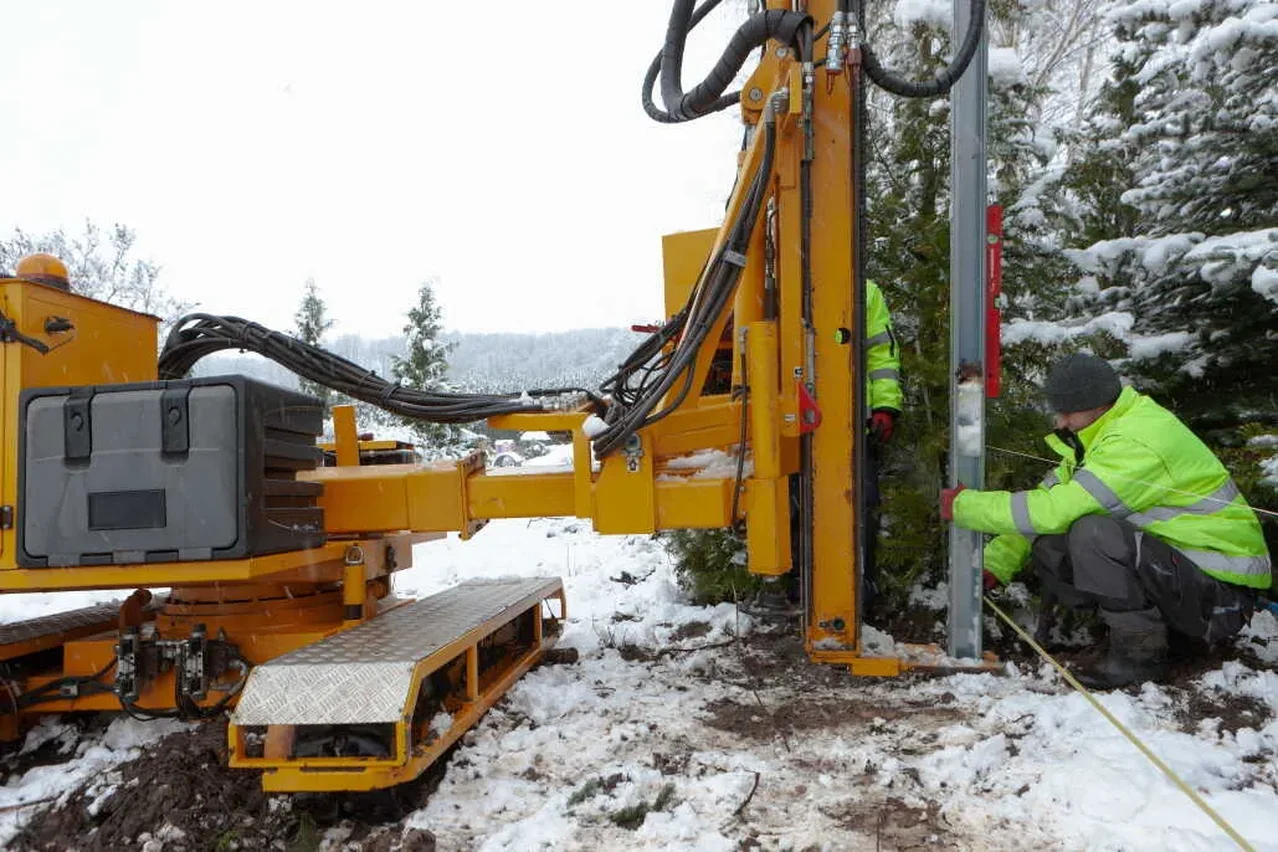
(934, 13)
(1003, 763)
(709, 464)
(1155, 345)
(1264, 281)
(593, 426)
(1008, 761)
(1269, 467)
(1005, 68)
(1117, 323)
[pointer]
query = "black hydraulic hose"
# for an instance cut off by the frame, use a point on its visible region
(944, 81)
(707, 97)
(654, 71)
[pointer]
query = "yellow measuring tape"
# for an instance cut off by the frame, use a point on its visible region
(1122, 729)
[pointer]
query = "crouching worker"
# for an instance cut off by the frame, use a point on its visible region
(1140, 519)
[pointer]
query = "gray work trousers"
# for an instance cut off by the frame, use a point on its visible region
(1109, 563)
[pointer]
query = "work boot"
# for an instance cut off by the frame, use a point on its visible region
(1137, 650)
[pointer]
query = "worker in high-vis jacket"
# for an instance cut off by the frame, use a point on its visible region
(1139, 519)
(883, 397)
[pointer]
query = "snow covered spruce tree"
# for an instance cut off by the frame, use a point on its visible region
(310, 323)
(1190, 132)
(1180, 218)
(426, 367)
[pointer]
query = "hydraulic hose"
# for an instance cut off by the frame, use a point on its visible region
(654, 71)
(707, 97)
(944, 81)
(198, 335)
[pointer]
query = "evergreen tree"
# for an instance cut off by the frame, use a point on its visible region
(311, 322)
(1183, 207)
(426, 367)
(1180, 222)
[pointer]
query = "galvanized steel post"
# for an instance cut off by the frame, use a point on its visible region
(967, 330)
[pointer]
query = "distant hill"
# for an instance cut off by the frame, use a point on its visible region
(479, 362)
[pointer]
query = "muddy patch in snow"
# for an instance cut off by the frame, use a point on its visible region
(180, 796)
(895, 823)
(755, 721)
(1234, 712)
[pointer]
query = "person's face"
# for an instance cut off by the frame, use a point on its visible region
(1077, 421)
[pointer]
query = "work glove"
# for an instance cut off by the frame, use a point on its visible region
(881, 423)
(947, 502)
(989, 581)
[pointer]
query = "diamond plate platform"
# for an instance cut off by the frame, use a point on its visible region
(364, 675)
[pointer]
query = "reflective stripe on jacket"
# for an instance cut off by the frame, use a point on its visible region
(882, 355)
(1139, 464)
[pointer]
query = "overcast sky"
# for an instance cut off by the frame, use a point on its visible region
(500, 146)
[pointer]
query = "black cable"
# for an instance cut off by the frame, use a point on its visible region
(943, 81)
(9, 334)
(198, 335)
(741, 446)
(40, 694)
(707, 97)
(654, 70)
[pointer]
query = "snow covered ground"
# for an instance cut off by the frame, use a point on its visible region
(648, 743)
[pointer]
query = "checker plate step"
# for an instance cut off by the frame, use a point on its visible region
(363, 675)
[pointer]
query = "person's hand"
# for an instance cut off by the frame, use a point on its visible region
(947, 502)
(881, 423)
(989, 581)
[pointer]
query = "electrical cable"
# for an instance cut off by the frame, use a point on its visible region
(744, 393)
(41, 693)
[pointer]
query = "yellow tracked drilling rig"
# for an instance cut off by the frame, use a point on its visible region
(276, 551)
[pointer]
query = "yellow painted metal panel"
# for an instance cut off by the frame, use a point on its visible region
(687, 503)
(625, 499)
(835, 565)
(520, 494)
(556, 421)
(683, 256)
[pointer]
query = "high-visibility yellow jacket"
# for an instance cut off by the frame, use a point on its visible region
(1139, 463)
(882, 355)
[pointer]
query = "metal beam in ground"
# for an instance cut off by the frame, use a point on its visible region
(967, 331)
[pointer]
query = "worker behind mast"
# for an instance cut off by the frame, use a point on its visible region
(883, 397)
(1139, 519)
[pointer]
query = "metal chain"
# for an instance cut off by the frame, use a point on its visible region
(1208, 497)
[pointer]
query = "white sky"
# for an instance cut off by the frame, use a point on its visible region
(500, 146)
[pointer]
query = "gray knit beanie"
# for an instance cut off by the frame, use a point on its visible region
(1081, 382)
